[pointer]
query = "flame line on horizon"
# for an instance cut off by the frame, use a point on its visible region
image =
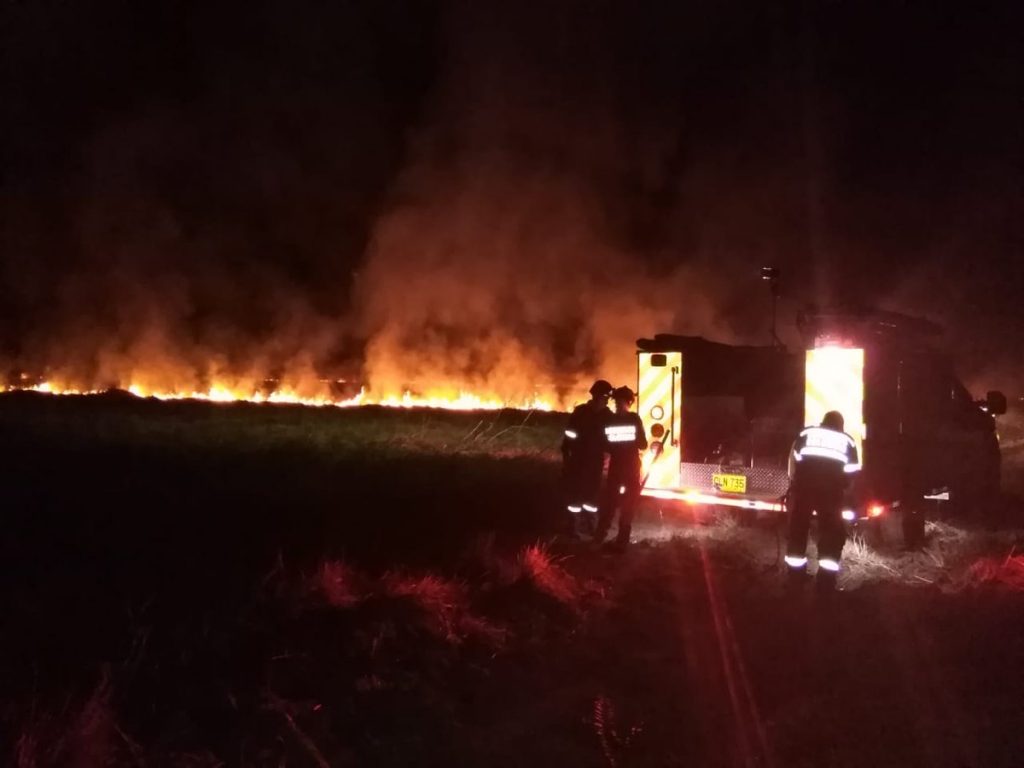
(459, 401)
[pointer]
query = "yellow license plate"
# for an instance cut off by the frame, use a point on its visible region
(730, 483)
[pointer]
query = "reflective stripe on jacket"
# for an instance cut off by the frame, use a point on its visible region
(822, 452)
(584, 434)
(624, 438)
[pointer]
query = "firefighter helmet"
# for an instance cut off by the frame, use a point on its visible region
(833, 420)
(623, 395)
(600, 388)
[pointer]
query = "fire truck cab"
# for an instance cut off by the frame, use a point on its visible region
(726, 415)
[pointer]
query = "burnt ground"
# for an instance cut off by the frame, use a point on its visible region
(198, 585)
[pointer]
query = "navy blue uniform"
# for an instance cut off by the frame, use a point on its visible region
(583, 456)
(624, 439)
(820, 466)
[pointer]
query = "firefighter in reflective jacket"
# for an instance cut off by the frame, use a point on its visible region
(821, 464)
(583, 457)
(624, 440)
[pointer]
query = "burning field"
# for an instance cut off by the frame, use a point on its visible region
(206, 584)
(293, 300)
(435, 260)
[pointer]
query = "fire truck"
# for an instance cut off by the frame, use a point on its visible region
(723, 417)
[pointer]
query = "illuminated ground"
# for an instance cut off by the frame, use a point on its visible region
(194, 584)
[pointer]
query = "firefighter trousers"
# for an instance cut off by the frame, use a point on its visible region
(831, 531)
(621, 497)
(582, 482)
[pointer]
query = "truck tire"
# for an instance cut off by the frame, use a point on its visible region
(974, 492)
(874, 532)
(912, 520)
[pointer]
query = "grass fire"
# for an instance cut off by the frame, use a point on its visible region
(286, 395)
(449, 383)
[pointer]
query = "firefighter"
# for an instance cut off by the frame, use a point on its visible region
(624, 440)
(821, 464)
(583, 458)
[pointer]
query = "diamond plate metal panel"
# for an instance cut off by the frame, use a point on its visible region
(762, 482)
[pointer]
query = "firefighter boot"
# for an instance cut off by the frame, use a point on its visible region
(622, 537)
(587, 524)
(583, 526)
(796, 578)
(825, 582)
(604, 522)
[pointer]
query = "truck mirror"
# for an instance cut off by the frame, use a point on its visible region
(659, 361)
(995, 403)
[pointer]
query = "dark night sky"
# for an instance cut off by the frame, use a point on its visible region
(232, 163)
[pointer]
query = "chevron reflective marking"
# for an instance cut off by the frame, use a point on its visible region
(834, 381)
(661, 387)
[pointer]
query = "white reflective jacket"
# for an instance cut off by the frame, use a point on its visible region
(826, 450)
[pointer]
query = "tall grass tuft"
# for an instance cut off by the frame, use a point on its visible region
(338, 583)
(79, 736)
(539, 568)
(445, 606)
(861, 561)
(1007, 572)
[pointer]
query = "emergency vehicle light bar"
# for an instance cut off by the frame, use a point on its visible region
(696, 497)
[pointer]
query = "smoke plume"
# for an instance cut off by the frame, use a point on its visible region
(493, 199)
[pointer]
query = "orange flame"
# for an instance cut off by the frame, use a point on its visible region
(449, 399)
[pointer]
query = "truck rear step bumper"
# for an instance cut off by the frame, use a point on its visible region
(691, 496)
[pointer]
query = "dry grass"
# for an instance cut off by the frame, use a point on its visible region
(1006, 572)
(500, 588)
(691, 523)
(540, 569)
(863, 563)
(78, 734)
(338, 583)
(87, 733)
(444, 604)
(534, 567)
(953, 558)
(946, 560)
